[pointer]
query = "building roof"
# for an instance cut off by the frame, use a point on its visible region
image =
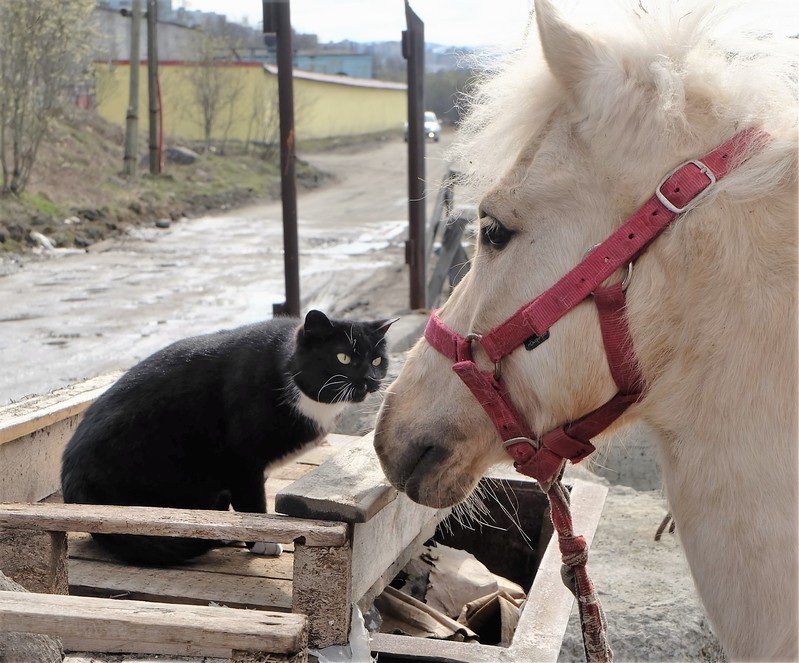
(339, 79)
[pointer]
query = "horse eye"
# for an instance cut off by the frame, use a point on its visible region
(344, 359)
(377, 361)
(494, 234)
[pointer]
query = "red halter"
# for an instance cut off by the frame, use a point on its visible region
(542, 457)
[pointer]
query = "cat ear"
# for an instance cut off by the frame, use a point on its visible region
(317, 322)
(381, 326)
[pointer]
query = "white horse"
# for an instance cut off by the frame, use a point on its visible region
(564, 142)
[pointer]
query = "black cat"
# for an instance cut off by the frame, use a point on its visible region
(196, 424)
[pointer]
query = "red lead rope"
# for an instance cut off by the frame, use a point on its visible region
(574, 555)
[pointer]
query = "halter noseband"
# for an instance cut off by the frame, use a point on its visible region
(541, 458)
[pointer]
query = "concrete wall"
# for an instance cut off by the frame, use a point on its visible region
(325, 106)
(113, 37)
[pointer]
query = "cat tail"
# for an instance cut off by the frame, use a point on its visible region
(154, 550)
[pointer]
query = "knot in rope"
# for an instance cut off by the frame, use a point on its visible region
(573, 550)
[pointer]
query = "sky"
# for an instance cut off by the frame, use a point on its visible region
(471, 23)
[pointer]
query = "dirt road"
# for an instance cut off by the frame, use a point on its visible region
(68, 317)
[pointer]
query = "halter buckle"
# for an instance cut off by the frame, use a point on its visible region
(679, 210)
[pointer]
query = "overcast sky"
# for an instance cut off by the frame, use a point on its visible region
(470, 23)
(449, 22)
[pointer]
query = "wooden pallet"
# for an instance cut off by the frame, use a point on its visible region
(346, 532)
(364, 531)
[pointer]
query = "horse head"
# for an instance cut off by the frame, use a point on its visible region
(565, 142)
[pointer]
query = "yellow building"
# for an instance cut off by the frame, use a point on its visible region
(240, 100)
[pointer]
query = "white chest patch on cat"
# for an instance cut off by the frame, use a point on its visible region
(323, 414)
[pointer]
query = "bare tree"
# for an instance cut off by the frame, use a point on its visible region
(45, 49)
(216, 89)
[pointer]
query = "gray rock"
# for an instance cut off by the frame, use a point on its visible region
(180, 155)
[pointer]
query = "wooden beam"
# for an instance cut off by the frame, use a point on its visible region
(37, 412)
(91, 624)
(322, 586)
(34, 559)
(349, 487)
(155, 521)
(377, 544)
(33, 433)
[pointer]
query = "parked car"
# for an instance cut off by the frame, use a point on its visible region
(432, 127)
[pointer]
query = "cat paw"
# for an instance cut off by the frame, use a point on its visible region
(264, 548)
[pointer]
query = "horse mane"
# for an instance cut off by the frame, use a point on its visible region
(693, 57)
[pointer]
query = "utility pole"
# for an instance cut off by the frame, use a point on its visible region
(415, 249)
(277, 20)
(152, 79)
(131, 123)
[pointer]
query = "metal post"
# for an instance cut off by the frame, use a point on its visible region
(277, 19)
(415, 250)
(152, 79)
(131, 120)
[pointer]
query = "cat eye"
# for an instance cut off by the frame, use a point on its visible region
(493, 234)
(343, 358)
(377, 361)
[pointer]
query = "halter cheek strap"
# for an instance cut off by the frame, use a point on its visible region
(530, 325)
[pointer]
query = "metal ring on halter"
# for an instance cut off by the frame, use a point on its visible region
(473, 336)
(534, 443)
(627, 278)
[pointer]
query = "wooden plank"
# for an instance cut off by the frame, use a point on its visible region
(292, 471)
(322, 581)
(35, 413)
(31, 464)
(378, 543)
(224, 525)
(348, 487)
(231, 560)
(426, 532)
(177, 585)
(82, 623)
(36, 560)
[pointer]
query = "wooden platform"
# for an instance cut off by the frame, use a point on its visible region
(346, 532)
(231, 576)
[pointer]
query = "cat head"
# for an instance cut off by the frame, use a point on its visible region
(339, 360)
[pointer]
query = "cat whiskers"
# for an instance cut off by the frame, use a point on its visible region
(337, 382)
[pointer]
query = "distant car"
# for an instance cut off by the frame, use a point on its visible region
(432, 127)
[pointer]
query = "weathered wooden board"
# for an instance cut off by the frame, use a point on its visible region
(376, 544)
(360, 577)
(31, 464)
(322, 581)
(36, 560)
(231, 560)
(175, 585)
(97, 624)
(223, 525)
(37, 412)
(349, 487)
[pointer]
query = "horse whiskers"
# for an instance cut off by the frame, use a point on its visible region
(511, 511)
(475, 512)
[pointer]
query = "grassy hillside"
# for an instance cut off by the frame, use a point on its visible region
(78, 195)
